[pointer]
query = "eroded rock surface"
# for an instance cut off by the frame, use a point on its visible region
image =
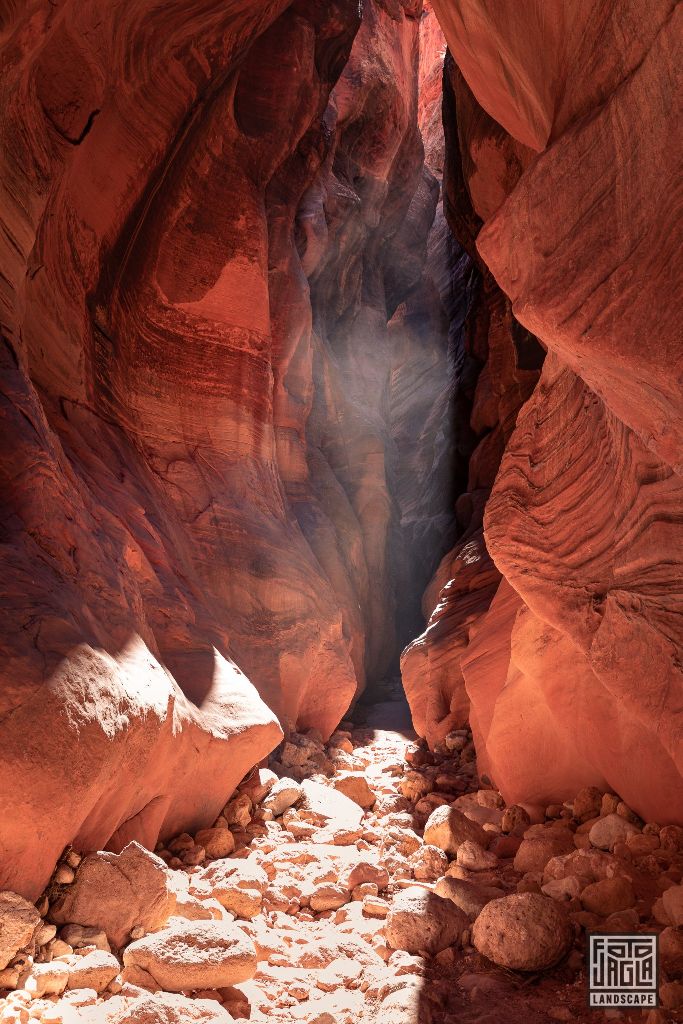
(207, 222)
(577, 661)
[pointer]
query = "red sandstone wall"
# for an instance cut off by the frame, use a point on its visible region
(574, 674)
(176, 402)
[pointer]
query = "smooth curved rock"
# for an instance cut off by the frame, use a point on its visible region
(577, 661)
(196, 246)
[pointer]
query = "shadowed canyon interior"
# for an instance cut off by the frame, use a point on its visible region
(338, 340)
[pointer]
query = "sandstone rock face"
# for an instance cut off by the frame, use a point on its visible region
(576, 663)
(524, 932)
(201, 249)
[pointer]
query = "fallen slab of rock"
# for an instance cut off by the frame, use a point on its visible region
(194, 955)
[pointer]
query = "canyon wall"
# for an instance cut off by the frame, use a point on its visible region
(560, 163)
(207, 222)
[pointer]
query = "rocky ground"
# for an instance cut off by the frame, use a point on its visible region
(362, 880)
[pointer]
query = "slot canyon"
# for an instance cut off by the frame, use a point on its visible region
(341, 509)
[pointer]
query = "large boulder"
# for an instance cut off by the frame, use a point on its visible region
(420, 921)
(524, 932)
(118, 892)
(194, 955)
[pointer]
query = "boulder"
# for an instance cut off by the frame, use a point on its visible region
(19, 920)
(474, 857)
(448, 828)
(238, 885)
(194, 955)
(608, 896)
(422, 921)
(470, 897)
(354, 785)
(523, 932)
(217, 842)
(672, 898)
(283, 794)
(94, 970)
(534, 852)
(118, 892)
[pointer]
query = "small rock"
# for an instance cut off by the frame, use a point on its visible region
(328, 897)
(415, 785)
(524, 932)
(671, 995)
(587, 803)
(671, 951)
(364, 871)
(610, 830)
(375, 906)
(428, 863)
(238, 885)
(472, 856)
(285, 793)
(217, 842)
(515, 819)
(608, 896)
(469, 896)
(64, 875)
(76, 936)
(535, 852)
(191, 955)
(166, 1008)
(563, 889)
(48, 979)
(239, 810)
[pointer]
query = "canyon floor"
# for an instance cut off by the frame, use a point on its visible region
(351, 882)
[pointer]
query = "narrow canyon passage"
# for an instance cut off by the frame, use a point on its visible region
(341, 509)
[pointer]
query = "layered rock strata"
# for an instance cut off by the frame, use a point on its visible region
(197, 272)
(577, 664)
